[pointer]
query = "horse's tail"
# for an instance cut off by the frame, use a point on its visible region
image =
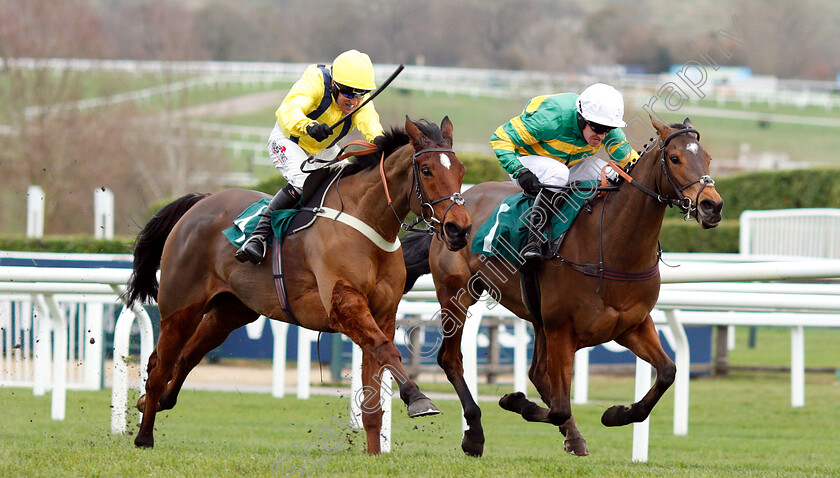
(148, 248)
(415, 248)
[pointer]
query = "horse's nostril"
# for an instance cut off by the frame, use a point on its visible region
(711, 207)
(454, 231)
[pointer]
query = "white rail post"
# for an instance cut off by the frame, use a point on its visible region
(94, 313)
(797, 366)
(49, 308)
(681, 381)
(35, 212)
(103, 213)
(42, 348)
(280, 331)
(469, 350)
(119, 386)
(641, 431)
(304, 361)
(356, 395)
(520, 357)
(581, 376)
(386, 395)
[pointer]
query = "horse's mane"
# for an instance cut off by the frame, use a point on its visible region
(395, 138)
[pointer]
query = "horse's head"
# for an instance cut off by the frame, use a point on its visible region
(686, 181)
(437, 176)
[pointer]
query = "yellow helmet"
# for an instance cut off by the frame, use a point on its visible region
(354, 69)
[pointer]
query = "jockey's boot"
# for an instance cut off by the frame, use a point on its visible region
(255, 247)
(539, 220)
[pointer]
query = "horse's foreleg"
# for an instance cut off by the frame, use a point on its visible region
(224, 317)
(175, 329)
(350, 315)
(451, 361)
(643, 340)
(370, 402)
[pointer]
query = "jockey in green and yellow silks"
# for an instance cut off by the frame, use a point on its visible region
(554, 141)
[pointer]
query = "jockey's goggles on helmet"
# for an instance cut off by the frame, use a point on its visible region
(599, 128)
(350, 93)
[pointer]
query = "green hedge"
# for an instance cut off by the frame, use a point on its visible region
(68, 244)
(758, 190)
(680, 236)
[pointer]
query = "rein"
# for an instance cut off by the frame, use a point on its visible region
(684, 203)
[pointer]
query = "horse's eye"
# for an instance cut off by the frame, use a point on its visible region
(674, 159)
(426, 171)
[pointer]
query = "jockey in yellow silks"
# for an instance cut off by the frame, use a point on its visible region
(323, 95)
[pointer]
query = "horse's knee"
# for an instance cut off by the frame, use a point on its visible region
(388, 353)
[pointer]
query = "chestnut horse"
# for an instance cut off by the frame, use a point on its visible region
(599, 286)
(337, 279)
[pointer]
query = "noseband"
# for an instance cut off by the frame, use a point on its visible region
(683, 202)
(423, 197)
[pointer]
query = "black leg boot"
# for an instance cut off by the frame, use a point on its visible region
(255, 247)
(539, 219)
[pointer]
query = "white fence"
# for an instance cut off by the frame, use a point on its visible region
(791, 307)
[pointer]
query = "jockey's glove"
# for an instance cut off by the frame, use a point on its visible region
(318, 131)
(612, 174)
(529, 182)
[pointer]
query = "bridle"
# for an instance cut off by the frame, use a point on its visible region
(423, 197)
(684, 203)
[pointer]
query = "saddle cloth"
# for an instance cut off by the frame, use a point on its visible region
(505, 231)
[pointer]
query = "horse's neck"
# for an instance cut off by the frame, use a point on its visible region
(633, 219)
(365, 197)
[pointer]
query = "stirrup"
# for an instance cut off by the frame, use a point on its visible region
(532, 252)
(244, 254)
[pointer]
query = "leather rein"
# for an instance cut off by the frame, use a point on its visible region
(683, 202)
(426, 204)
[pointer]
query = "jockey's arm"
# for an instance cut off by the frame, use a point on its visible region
(367, 122)
(303, 97)
(619, 149)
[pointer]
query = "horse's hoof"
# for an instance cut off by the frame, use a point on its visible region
(512, 402)
(576, 447)
(421, 408)
(472, 447)
(141, 441)
(616, 416)
(141, 404)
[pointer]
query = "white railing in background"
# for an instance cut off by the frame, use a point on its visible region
(682, 302)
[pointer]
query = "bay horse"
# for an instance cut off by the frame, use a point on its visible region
(599, 286)
(337, 279)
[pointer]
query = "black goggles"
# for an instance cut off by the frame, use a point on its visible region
(350, 93)
(599, 128)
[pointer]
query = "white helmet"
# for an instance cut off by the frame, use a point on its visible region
(602, 104)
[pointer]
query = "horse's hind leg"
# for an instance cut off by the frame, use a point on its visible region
(175, 330)
(226, 314)
(350, 315)
(574, 443)
(643, 340)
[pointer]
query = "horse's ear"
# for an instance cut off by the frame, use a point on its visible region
(661, 128)
(446, 130)
(411, 129)
(688, 124)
